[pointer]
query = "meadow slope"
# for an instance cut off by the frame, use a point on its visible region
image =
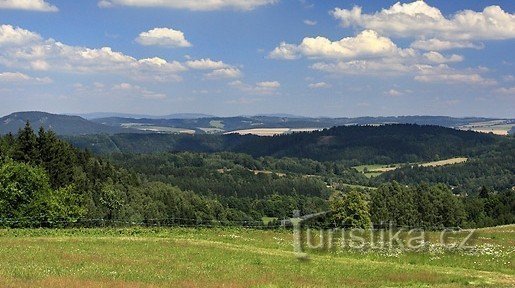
(188, 257)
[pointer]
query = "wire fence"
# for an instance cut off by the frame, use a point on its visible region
(45, 222)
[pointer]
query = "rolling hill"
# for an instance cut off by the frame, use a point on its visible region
(60, 124)
(289, 123)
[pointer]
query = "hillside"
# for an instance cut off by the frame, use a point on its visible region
(209, 124)
(60, 124)
(215, 257)
(188, 123)
(353, 144)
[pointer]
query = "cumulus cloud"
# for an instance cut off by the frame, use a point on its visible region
(366, 44)
(366, 53)
(195, 5)
(445, 74)
(318, 85)
(372, 52)
(394, 93)
(265, 87)
(285, 51)
(455, 78)
(422, 72)
(268, 85)
(439, 58)
(224, 73)
(310, 22)
(128, 89)
(32, 5)
(23, 49)
(418, 19)
(219, 69)
(374, 67)
(206, 64)
(16, 77)
(506, 91)
(163, 37)
(15, 36)
(434, 44)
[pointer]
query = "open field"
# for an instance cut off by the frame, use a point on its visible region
(498, 127)
(271, 131)
(445, 162)
(216, 257)
(374, 170)
(159, 129)
(261, 131)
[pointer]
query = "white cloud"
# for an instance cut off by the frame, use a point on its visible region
(24, 49)
(421, 72)
(206, 64)
(285, 51)
(242, 101)
(310, 22)
(163, 37)
(318, 85)
(195, 5)
(369, 53)
(418, 19)
(434, 44)
(377, 67)
(445, 74)
(127, 89)
(394, 93)
(366, 44)
(265, 87)
(224, 73)
(15, 36)
(16, 77)
(268, 85)
(455, 79)
(219, 69)
(506, 91)
(33, 5)
(439, 58)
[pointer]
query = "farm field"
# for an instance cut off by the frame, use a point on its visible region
(270, 131)
(498, 127)
(377, 169)
(445, 162)
(231, 257)
(159, 129)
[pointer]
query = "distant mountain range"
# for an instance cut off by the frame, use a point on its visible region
(141, 116)
(207, 124)
(60, 124)
(231, 124)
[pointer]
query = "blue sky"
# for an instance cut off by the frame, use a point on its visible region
(235, 57)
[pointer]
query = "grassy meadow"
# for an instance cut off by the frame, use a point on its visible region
(374, 170)
(231, 257)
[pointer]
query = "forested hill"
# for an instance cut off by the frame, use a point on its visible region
(60, 124)
(353, 144)
(45, 182)
(373, 144)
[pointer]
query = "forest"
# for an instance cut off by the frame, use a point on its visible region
(47, 182)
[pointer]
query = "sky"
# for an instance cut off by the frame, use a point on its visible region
(247, 57)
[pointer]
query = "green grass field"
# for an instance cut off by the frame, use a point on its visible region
(231, 257)
(374, 170)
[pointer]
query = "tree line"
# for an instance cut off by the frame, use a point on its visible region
(45, 180)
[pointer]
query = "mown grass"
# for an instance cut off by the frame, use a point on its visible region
(230, 257)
